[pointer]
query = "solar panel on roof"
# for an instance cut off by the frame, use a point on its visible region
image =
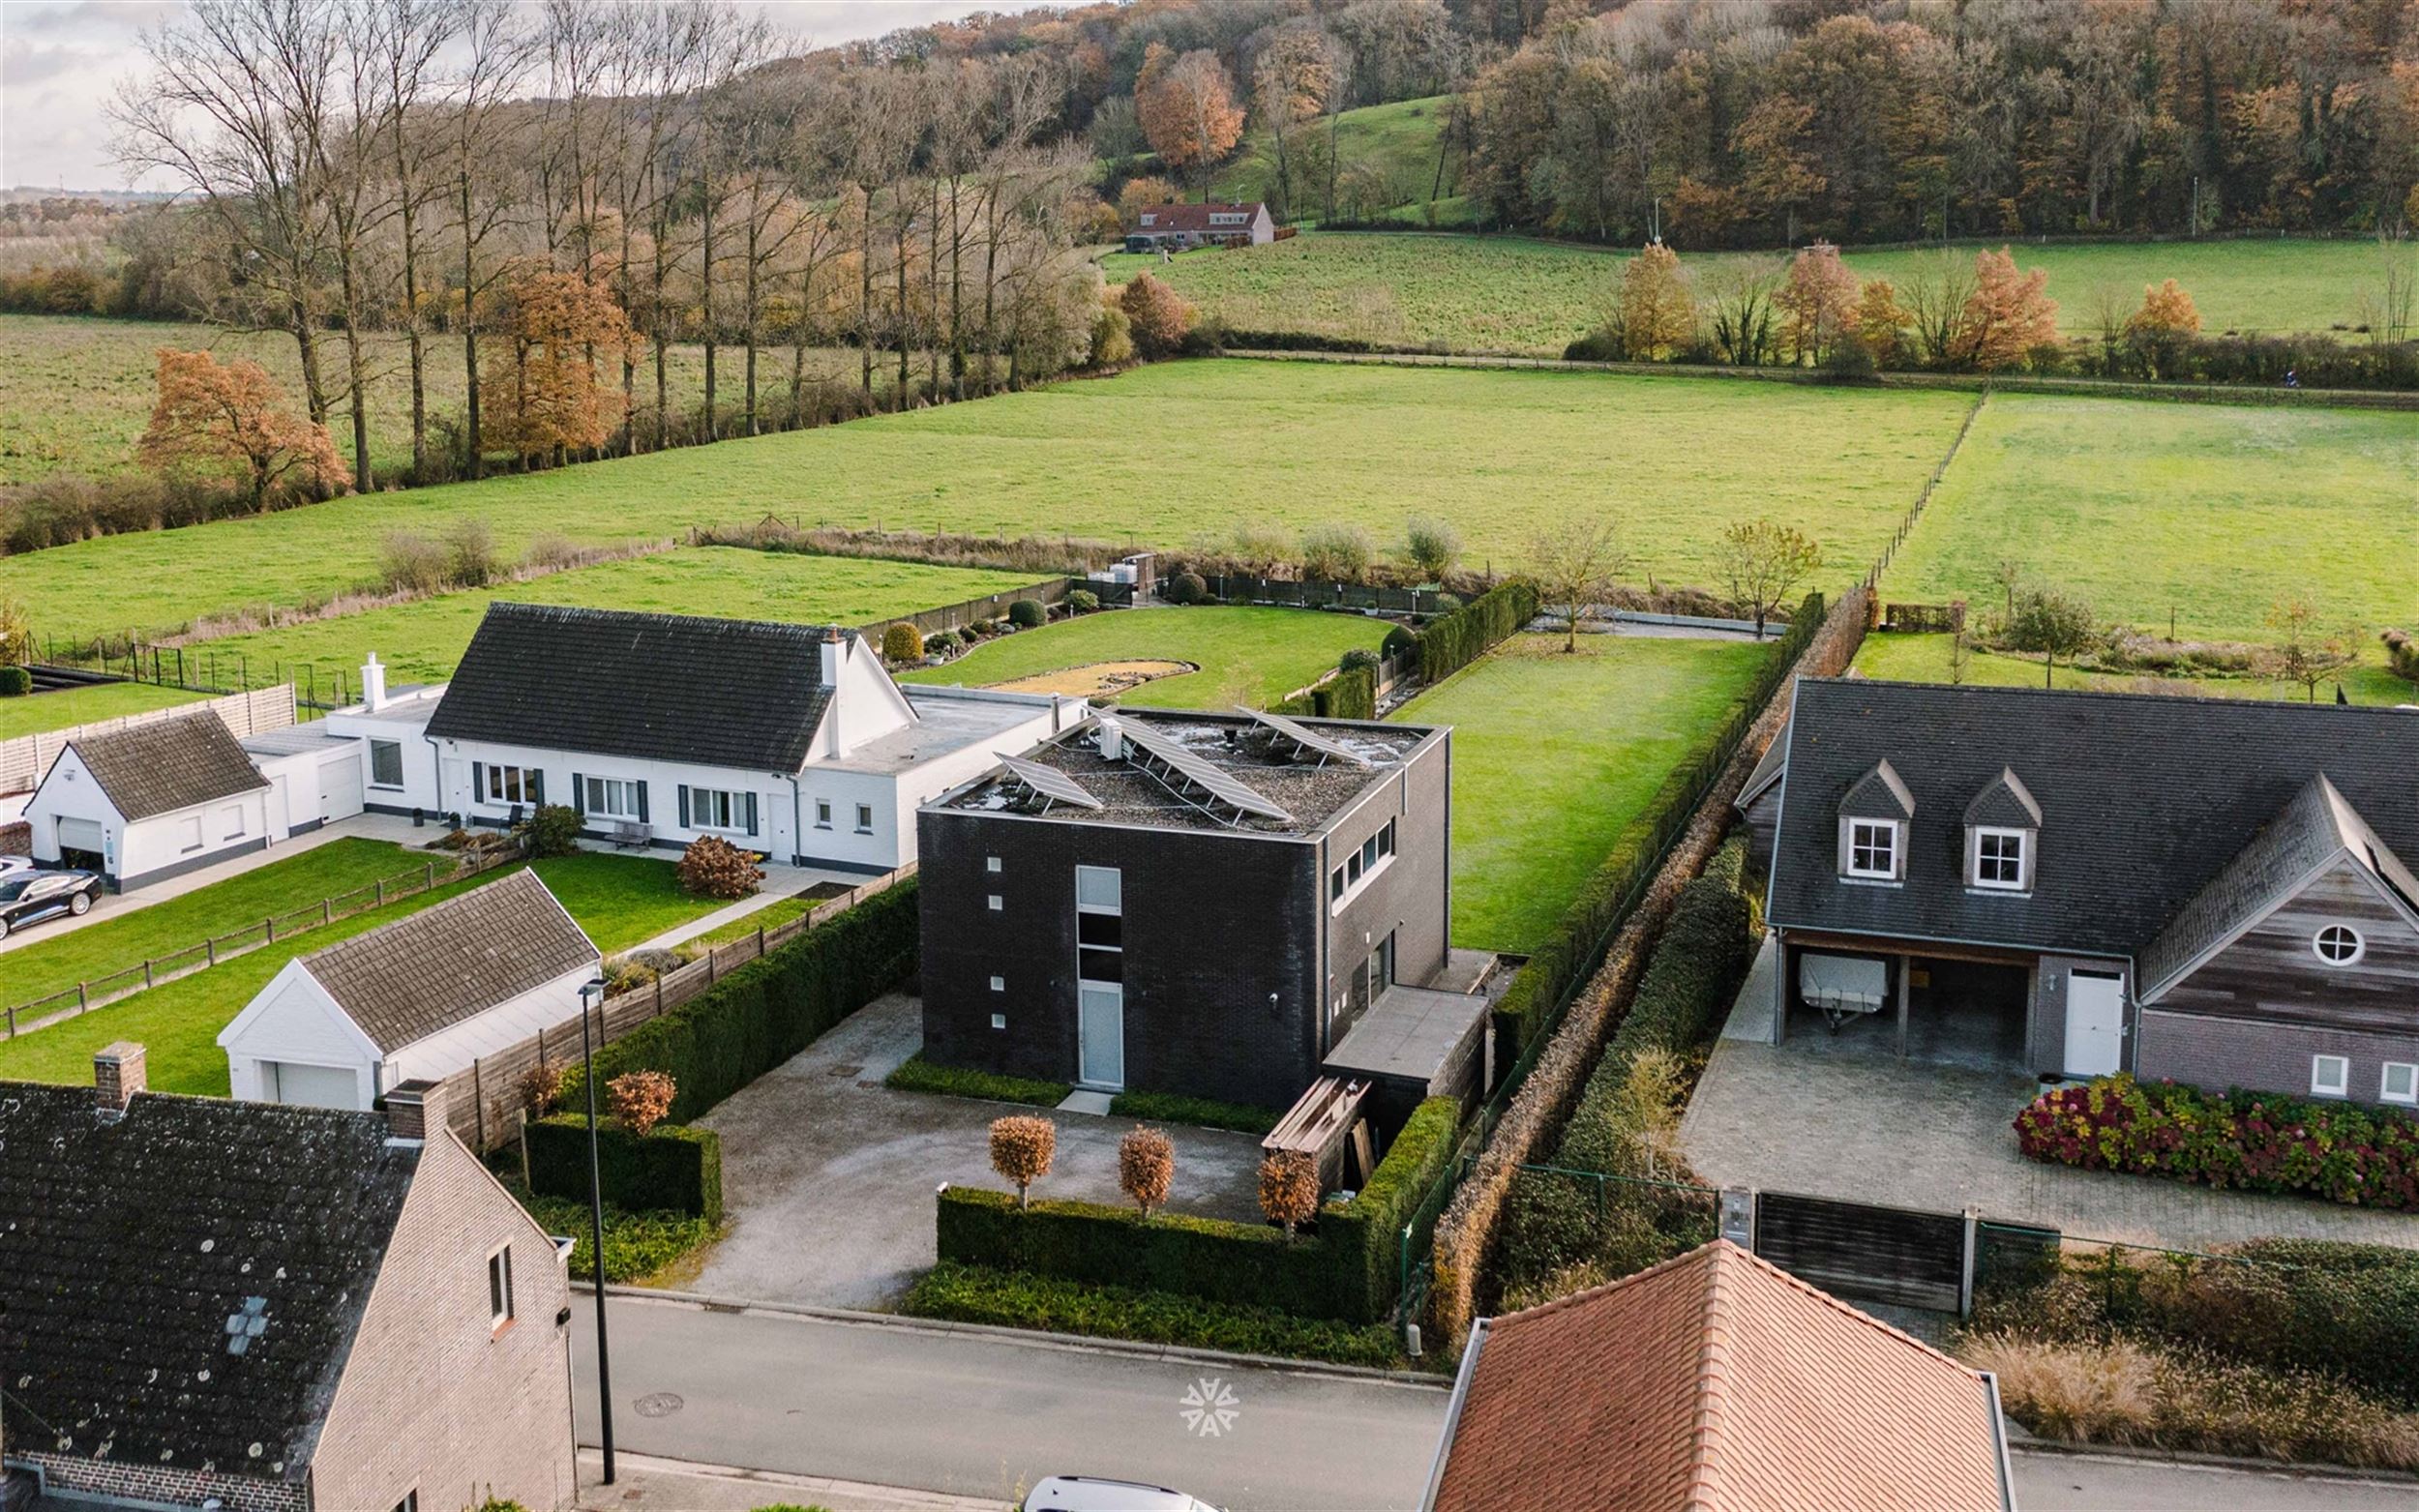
(1303, 736)
(1049, 782)
(1220, 785)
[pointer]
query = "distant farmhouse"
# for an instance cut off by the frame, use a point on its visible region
(1220, 906)
(1175, 227)
(2215, 891)
(227, 1305)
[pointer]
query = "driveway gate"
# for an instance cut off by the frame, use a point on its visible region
(1891, 1255)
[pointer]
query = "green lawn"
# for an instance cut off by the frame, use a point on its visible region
(2207, 511)
(422, 640)
(1509, 293)
(618, 899)
(1247, 655)
(1396, 140)
(1504, 454)
(1553, 754)
(72, 706)
(1925, 659)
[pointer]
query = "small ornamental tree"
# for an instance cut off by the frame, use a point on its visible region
(1146, 1167)
(1657, 311)
(2007, 316)
(1158, 317)
(2051, 623)
(2159, 331)
(712, 867)
(210, 414)
(1288, 1189)
(541, 1087)
(1574, 564)
(1765, 561)
(1818, 305)
(1881, 323)
(640, 1099)
(1432, 545)
(901, 643)
(1022, 1148)
(2304, 653)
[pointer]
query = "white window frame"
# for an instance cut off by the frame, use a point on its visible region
(995, 903)
(998, 984)
(1893, 840)
(498, 793)
(2322, 1085)
(991, 863)
(2408, 1096)
(865, 818)
(397, 785)
(611, 797)
(2023, 879)
(2360, 946)
(499, 1285)
(719, 809)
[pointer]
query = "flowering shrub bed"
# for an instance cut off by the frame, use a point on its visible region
(2255, 1139)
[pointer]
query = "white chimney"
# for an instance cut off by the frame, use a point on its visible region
(831, 656)
(372, 684)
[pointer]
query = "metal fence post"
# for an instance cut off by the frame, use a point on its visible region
(1965, 1273)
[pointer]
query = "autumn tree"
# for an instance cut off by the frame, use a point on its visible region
(1187, 106)
(1146, 1167)
(1881, 323)
(1818, 305)
(1023, 1146)
(2054, 624)
(2159, 330)
(1159, 316)
(1288, 1189)
(542, 377)
(2304, 652)
(2007, 316)
(211, 413)
(1657, 311)
(1574, 563)
(1142, 192)
(1765, 561)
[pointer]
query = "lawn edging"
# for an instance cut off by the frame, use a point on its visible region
(916, 1073)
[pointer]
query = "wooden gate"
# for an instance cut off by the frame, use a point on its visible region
(1879, 1253)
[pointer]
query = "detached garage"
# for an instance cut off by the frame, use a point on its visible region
(150, 802)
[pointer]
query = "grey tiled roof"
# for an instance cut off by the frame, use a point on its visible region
(2006, 803)
(126, 1247)
(168, 765)
(427, 972)
(731, 693)
(2143, 799)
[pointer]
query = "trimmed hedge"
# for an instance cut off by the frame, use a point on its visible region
(637, 1245)
(768, 1010)
(916, 1073)
(1200, 1113)
(675, 1169)
(1351, 693)
(977, 1294)
(1451, 641)
(1028, 615)
(1347, 1269)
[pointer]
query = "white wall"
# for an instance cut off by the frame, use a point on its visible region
(419, 789)
(181, 838)
(293, 1021)
(775, 830)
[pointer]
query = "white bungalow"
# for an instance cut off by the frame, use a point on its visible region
(148, 802)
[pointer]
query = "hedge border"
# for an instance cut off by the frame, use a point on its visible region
(672, 1168)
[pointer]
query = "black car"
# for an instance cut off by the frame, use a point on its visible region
(31, 897)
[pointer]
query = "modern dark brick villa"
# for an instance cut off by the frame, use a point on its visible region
(1185, 902)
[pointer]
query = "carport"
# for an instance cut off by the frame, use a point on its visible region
(1952, 1005)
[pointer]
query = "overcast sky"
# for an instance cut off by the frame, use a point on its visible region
(61, 61)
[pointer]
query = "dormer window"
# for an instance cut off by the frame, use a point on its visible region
(1873, 818)
(1873, 850)
(2002, 859)
(2002, 836)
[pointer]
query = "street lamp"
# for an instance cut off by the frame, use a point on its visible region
(592, 999)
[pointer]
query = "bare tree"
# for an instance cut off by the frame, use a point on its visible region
(496, 53)
(1574, 563)
(407, 35)
(1936, 295)
(1764, 562)
(2304, 653)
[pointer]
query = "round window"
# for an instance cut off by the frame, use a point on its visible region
(2338, 945)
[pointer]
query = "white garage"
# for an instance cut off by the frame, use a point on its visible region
(314, 777)
(148, 802)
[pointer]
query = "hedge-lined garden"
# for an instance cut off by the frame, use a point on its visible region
(672, 1167)
(1453, 640)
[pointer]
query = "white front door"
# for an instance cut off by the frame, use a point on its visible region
(2095, 1024)
(1101, 1034)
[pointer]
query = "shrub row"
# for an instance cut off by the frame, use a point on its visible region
(636, 1244)
(1565, 958)
(1200, 1113)
(979, 1295)
(916, 1073)
(1347, 1269)
(1349, 694)
(770, 1008)
(1453, 640)
(2261, 1141)
(672, 1168)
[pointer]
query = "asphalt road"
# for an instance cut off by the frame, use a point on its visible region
(976, 1414)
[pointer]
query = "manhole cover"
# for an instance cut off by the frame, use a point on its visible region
(843, 1071)
(663, 1404)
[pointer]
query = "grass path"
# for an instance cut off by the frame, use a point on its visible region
(1247, 655)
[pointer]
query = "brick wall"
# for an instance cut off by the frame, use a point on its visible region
(157, 1483)
(2218, 1053)
(431, 1398)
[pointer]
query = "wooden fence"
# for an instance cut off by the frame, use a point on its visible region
(117, 986)
(952, 617)
(24, 759)
(484, 1102)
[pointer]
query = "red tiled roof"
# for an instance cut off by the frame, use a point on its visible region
(1196, 218)
(1716, 1382)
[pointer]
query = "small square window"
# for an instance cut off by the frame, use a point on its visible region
(1873, 850)
(998, 984)
(1999, 859)
(865, 818)
(2399, 1082)
(998, 1020)
(995, 904)
(2330, 1076)
(823, 813)
(991, 863)
(500, 1287)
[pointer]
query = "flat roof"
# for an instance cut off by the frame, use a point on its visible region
(947, 721)
(1309, 790)
(293, 740)
(1409, 1033)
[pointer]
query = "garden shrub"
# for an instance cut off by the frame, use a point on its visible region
(2261, 1141)
(2402, 653)
(916, 1073)
(1400, 639)
(636, 1244)
(1336, 554)
(1453, 640)
(1350, 695)
(15, 682)
(470, 559)
(979, 1294)
(757, 1016)
(1185, 588)
(672, 1167)
(712, 867)
(552, 829)
(1359, 658)
(412, 563)
(1082, 601)
(1028, 615)
(902, 644)
(1200, 1113)
(938, 642)
(969, 634)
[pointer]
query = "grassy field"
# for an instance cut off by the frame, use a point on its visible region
(1505, 293)
(1504, 454)
(76, 392)
(618, 899)
(1554, 754)
(1247, 656)
(68, 707)
(1398, 141)
(2203, 509)
(421, 642)
(1925, 659)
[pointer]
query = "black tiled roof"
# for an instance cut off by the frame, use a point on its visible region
(168, 765)
(131, 1252)
(732, 692)
(2143, 798)
(406, 980)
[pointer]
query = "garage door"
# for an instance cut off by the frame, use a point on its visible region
(340, 789)
(312, 1086)
(80, 835)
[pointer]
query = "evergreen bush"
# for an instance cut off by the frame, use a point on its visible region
(1028, 615)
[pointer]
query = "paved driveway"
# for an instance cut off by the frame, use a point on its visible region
(828, 1175)
(1915, 1133)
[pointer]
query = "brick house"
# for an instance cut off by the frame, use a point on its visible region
(1189, 902)
(271, 1308)
(2209, 890)
(1216, 224)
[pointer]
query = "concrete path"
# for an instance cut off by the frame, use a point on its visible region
(780, 882)
(986, 1412)
(828, 1175)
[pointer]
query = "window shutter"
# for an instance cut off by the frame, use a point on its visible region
(478, 781)
(684, 805)
(580, 794)
(642, 803)
(536, 789)
(751, 814)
